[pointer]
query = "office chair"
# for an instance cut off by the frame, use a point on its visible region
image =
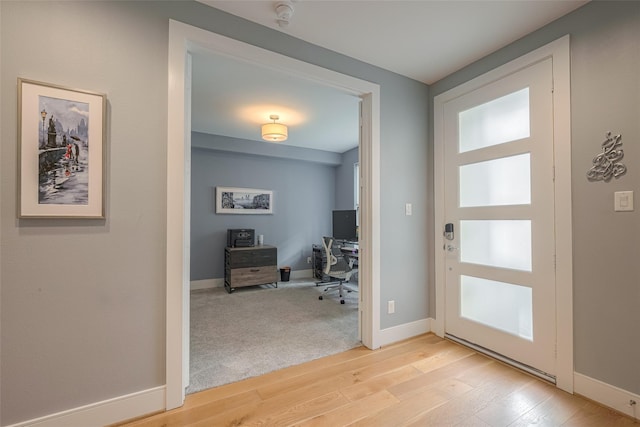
(338, 268)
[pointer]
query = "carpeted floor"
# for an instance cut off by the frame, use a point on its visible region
(260, 329)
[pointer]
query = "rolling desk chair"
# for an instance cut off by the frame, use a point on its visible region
(338, 267)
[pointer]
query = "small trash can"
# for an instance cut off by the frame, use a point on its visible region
(285, 273)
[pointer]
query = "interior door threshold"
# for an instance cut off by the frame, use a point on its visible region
(526, 368)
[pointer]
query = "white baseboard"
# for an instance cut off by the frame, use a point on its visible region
(206, 284)
(406, 331)
(219, 283)
(606, 394)
(107, 412)
(302, 274)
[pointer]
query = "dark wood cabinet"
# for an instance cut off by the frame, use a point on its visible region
(256, 265)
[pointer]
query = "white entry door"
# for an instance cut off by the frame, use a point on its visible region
(499, 206)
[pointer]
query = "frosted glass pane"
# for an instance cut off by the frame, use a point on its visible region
(497, 243)
(500, 305)
(505, 181)
(496, 122)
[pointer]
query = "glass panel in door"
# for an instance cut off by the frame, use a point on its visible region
(497, 243)
(495, 122)
(504, 306)
(504, 181)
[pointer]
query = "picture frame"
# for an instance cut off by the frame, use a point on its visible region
(61, 146)
(243, 201)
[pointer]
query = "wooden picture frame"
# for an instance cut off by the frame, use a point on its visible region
(61, 146)
(233, 200)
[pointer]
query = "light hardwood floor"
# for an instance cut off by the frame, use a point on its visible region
(424, 381)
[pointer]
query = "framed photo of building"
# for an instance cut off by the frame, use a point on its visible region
(231, 200)
(61, 146)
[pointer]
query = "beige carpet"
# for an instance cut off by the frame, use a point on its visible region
(260, 329)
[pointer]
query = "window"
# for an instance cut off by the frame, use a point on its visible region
(356, 191)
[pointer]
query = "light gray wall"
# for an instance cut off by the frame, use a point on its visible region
(605, 96)
(303, 201)
(63, 332)
(345, 180)
(83, 300)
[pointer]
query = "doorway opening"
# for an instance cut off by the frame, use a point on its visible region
(183, 40)
(263, 328)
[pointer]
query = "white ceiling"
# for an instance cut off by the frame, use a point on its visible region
(234, 98)
(423, 40)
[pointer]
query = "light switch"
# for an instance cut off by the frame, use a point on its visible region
(623, 201)
(407, 209)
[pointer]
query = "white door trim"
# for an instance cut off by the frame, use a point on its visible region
(559, 51)
(184, 39)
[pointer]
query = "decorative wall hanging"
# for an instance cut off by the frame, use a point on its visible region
(61, 151)
(607, 165)
(232, 200)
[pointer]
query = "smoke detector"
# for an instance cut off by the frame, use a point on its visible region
(284, 12)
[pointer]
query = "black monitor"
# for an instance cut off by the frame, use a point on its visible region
(344, 225)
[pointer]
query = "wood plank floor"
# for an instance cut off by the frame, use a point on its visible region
(424, 381)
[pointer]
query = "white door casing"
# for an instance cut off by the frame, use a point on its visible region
(184, 39)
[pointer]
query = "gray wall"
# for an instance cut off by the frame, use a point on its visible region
(83, 300)
(62, 333)
(303, 201)
(605, 96)
(345, 180)
(306, 189)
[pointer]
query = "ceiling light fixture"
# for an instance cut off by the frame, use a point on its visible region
(274, 132)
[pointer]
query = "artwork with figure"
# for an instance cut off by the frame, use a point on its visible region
(63, 147)
(243, 200)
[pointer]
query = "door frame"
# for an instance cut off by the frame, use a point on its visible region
(559, 52)
(184, 39)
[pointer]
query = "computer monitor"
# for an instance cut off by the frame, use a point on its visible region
(344, 225)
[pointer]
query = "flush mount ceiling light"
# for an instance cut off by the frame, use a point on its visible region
(274, 132)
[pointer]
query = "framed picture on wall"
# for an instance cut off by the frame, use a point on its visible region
(232, 200)
(61, 137)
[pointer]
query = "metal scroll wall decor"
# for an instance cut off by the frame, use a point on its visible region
(607, 164)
